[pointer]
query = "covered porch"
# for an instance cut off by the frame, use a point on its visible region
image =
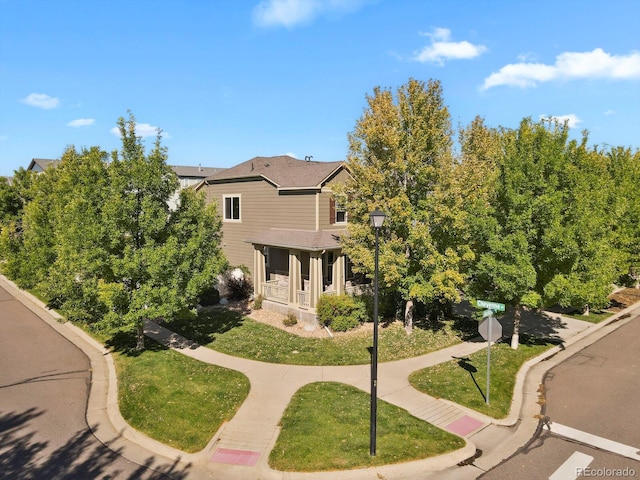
(292, 269)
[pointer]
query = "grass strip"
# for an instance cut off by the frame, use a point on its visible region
(175, 399)
(464, 380)
(326, 427)
(229, 332)
(593, 317)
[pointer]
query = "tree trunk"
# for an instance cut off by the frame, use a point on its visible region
(140, 337)
(515, 339)
(408, 317)
(585, 310)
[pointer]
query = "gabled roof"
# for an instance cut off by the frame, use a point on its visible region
(41, 164)
(283, 171)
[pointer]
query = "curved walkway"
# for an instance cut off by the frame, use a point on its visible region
(255, 428)
(240, 449)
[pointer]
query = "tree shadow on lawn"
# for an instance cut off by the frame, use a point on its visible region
(125, 343)
(203, 327)
(543, 325)
(465, 327)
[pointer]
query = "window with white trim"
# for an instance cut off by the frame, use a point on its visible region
(231, 208)
(337, 212)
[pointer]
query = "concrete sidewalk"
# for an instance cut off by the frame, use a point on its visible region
(240, 449)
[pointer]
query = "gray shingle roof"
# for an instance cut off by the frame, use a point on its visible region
(283, 171)
(301, 239)
(41, 164)
(195, 172)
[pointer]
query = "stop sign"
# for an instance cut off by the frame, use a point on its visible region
(490, 323)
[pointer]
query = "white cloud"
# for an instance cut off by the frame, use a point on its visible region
(572, 119)
(143, 130)
(568, 66)
(442, 48)
(81, 122)
(290, 13)
(610, 112)
(41, 100)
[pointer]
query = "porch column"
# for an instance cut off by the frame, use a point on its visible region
(259, 270)
(294, 275)
(315, 278)
(339, 274)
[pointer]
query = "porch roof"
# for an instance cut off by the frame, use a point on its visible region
(298, 239)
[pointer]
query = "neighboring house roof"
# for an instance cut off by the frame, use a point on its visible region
(195, 172)
(302, 239)
(283, 171)
(40, 164)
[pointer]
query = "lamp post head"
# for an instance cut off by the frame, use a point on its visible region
(377, 218)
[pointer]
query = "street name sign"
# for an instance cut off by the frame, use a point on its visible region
(497, 307)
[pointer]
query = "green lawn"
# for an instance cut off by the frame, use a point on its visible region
(175, 399)
(326, 427)
(593, 317)
(465, 382)
(229, 332)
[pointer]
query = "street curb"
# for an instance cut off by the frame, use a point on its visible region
(102, 412)
(530, 396)
(518, 391)
(109, 427)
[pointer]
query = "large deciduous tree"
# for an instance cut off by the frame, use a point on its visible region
(624, 208)
(159, 261)
(100, 241)
(579, 261)
(399, 153)
(77, 197)
(525, 203)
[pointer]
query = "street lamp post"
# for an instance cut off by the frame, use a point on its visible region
(377, 219)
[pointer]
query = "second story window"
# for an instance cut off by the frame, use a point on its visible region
(231, 208)
(337, 212)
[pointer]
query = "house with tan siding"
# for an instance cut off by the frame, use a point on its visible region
(280, 220)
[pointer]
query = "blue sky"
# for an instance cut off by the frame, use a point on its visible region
(227, 80)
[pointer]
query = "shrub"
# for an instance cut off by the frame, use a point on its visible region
(239, 288)
(290, 320)
(340, 312)
(209, 297)
(257, 302)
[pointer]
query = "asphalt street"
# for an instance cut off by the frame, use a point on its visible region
(595, 393)
(44, 382)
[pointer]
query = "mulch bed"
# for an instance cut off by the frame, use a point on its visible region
(624, 298)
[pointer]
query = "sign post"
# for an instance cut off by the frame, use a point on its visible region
(491, 331)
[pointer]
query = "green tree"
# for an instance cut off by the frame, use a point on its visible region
(624, 208)
(10, 204)
(399, 152)
(159, 261)
(526, 202)
(78, 195)
(28, 242)
(582, 261)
